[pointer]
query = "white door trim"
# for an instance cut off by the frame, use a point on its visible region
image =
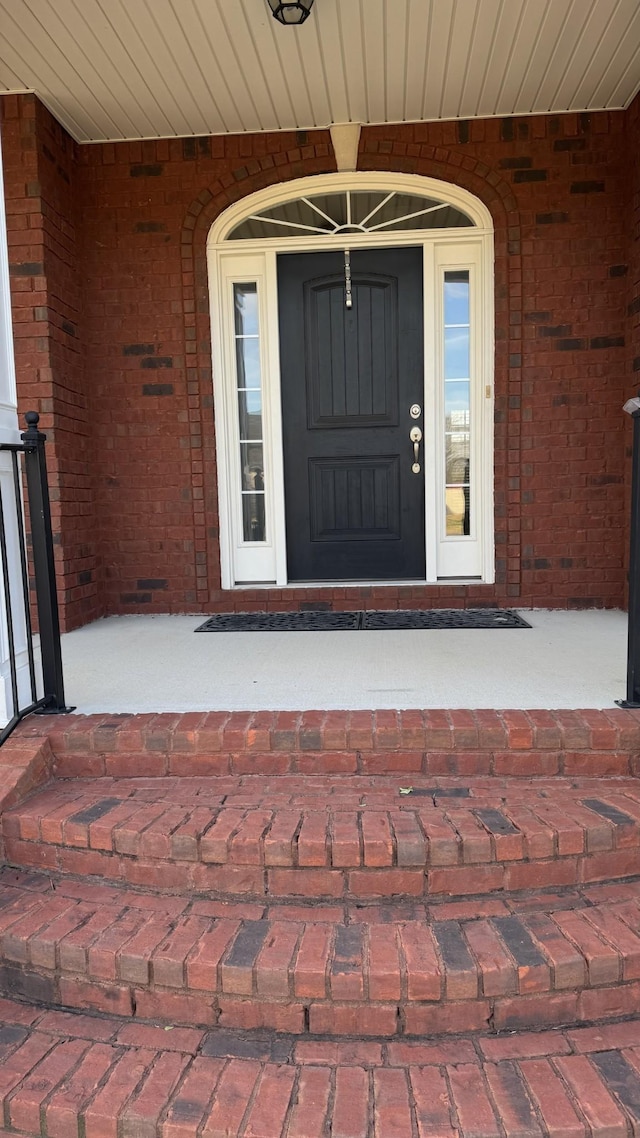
(263, 564)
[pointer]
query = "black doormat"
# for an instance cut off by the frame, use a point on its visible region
(445, 618)
(362, 621)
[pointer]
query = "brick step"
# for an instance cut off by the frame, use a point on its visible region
(457, 966)
(68, 1075)
(332, 837)
(455, 742)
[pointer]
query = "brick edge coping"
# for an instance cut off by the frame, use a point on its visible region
(25, 764)
(613, 729)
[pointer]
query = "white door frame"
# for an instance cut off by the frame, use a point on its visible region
(264, 564)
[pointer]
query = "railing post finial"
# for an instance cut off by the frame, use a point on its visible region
(32, 435)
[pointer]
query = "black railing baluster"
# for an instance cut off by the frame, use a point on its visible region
(9, 612)
(35, 470)
(43, 563)
(632, 407)
(24, 568)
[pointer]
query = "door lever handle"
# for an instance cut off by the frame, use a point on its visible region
(415, 435)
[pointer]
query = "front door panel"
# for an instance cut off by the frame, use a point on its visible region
(354, 505)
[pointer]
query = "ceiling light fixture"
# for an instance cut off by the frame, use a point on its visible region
(290, 11)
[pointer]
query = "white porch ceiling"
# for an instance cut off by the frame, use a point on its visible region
(124, 69)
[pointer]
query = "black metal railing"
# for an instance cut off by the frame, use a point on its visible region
(30, 452)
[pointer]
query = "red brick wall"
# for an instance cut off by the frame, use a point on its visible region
(45, 265)
(559, 192)
(150, 350)
(560, 345)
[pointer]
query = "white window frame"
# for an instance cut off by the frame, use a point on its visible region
(462, 556)
(264, 564)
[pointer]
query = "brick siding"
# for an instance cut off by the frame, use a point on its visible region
(46, 279)
(107, 247)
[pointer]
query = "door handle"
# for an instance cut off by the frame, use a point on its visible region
(415, 434)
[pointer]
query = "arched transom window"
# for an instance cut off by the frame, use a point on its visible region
(351, 211)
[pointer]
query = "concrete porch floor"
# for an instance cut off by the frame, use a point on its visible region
(156, 663)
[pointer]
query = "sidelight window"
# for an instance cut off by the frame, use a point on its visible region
(249, 388)
(457, 403)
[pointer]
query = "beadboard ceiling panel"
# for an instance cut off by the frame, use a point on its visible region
(117, 69)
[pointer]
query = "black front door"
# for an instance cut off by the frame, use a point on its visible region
(354, 505)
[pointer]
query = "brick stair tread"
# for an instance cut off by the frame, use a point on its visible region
(332, 836)
(521, 960)
(68, 1075)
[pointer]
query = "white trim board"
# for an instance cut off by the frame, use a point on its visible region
(264, 563)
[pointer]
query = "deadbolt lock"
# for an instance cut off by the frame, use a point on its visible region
(415, 410)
